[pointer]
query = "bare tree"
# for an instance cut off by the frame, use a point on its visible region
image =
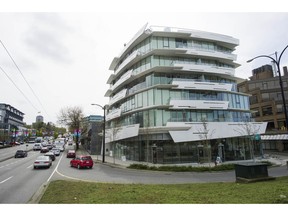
(249, 130)
(72, 118)
(205, 134)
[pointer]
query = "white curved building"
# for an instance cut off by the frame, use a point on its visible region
(173, 99)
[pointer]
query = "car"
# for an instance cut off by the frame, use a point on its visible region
(42, 162)
(44, 149)
(50, 146)
(82, 161)
(14, 143)
(59, 146)
(51, 155)
(37, 147)
(71, 154)
(20, 153)
(56, 151)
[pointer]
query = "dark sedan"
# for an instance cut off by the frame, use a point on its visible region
(51, 155)
(20, 153)
(71, 154)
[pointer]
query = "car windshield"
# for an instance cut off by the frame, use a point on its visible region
(86, 158)
(19, 150)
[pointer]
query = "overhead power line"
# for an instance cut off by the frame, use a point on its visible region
(24, 78)
(18, 88)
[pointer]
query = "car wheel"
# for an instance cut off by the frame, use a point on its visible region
(35, 167)
(78, 166)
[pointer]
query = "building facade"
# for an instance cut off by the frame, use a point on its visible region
(39, 118)
(173, 99)
(91, 137)
(11, 122)
(266, 104)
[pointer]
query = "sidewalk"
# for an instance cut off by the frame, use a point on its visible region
(277, 158)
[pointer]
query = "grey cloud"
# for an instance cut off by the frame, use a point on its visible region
(47, 37)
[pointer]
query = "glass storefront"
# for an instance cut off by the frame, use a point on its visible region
(167, 152)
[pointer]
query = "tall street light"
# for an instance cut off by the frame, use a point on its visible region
(103, 138)
(277, 62)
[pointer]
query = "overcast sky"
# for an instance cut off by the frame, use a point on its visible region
(65, 56)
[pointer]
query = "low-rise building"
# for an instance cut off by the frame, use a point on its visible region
(91, 135)
(266, 104)
(11, 122)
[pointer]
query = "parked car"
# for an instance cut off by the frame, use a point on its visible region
(37, 147)
(20, 153)
(42, 161)
(71, 154)
(44, 149)
(56, 151)
(82, 161)
(51, 155)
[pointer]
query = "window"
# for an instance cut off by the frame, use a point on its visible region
(165, 42)
(251, 86)
(279, 108)
(264, 85)
(181, 43)
(267, 110)
(265, 96)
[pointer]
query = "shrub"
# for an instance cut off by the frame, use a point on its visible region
(221, 167)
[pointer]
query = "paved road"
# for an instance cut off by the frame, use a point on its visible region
(19, 181)
(118, 173)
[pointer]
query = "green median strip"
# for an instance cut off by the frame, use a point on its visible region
(78, 192)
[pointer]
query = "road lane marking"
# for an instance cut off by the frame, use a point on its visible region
(6, 180)
(69, 177)
(29, 166)
(55, 168)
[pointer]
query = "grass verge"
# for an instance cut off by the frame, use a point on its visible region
(78, 192)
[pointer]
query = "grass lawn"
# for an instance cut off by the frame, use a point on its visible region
(78, 192)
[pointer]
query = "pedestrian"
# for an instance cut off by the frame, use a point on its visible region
(218, 160)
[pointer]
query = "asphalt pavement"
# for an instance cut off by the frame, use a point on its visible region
(277, 158)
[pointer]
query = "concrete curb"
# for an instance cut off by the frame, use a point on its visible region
(38, 194)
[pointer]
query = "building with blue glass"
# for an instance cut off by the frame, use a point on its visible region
(174, 99)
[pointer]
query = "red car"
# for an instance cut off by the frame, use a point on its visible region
(71, 154)
(82, 161)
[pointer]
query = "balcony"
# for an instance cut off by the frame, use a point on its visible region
(198, 104)
(206, 69)
(202, 85)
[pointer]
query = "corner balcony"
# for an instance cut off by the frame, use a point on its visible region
(113, 114)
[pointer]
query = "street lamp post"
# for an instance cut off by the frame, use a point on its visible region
(277, 62)
(103, 138)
